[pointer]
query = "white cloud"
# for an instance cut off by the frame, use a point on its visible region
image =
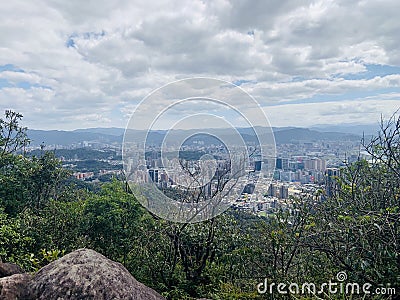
(90, 60)
(364, 111)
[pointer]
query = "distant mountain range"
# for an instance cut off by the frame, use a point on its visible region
(56, 137)
(283, 135)
(368, 129)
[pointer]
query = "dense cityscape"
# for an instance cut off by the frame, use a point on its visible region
(300, 168)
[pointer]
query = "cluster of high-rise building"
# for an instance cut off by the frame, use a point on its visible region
(83, 175)
(301, 169)
(280, 191)
(331, 184)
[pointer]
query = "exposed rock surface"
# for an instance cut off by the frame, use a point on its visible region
(86, 274)
(82, 274)
(15, 287)
(8, 269)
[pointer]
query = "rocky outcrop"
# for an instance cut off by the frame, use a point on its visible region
(8, 269)
(15, 287)
(82, 274)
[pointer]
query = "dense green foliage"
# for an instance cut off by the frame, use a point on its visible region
(81, 154)
(43, 214)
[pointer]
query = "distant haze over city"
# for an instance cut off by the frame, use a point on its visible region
(282, 134)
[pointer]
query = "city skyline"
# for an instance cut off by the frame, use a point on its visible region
(80, 65)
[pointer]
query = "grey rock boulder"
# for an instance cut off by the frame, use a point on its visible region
(15, 287)
(8, 269)
(86, 274)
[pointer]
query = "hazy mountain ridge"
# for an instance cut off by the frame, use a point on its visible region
(57, 137)
(367, 129)
(115, 135)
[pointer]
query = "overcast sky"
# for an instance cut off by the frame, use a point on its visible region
(77, 64)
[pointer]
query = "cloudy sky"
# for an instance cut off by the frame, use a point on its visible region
(77, 64)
